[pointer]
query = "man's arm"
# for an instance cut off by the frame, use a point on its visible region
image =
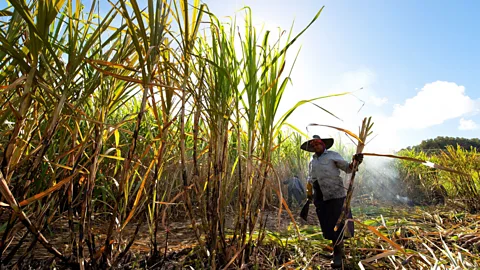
(341, 163)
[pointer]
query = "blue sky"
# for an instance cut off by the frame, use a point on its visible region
(417, 61)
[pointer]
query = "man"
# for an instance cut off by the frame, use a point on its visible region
(296, 190)
(329, 191)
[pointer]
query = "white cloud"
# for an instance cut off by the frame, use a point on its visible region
(435, 103)
(378, 101)
(467, 124)
(431, 105)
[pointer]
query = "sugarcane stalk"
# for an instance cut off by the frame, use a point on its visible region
(364, 131)
(8, 196)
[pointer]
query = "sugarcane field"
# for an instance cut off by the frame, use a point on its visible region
(188, 134)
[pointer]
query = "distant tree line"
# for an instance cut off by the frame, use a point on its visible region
(440, 143)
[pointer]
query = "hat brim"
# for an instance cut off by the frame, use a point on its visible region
(307, 146)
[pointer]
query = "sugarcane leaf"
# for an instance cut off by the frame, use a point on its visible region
(47, 192)
(340, 129)
(379, 234)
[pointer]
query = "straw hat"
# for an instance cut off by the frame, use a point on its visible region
(308, 145)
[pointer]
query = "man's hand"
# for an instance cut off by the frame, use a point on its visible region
(358, 158)
(309, 191)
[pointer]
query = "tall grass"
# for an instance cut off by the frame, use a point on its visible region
(133, 116)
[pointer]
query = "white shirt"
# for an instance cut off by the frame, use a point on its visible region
(325, 169)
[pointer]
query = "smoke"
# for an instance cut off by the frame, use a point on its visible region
(377, 178)
(380, 178)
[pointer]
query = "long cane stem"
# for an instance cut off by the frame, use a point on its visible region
(365, 130)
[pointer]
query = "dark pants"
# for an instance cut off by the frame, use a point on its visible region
(328, 213)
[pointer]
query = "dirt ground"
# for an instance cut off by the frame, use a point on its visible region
(181, 239)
